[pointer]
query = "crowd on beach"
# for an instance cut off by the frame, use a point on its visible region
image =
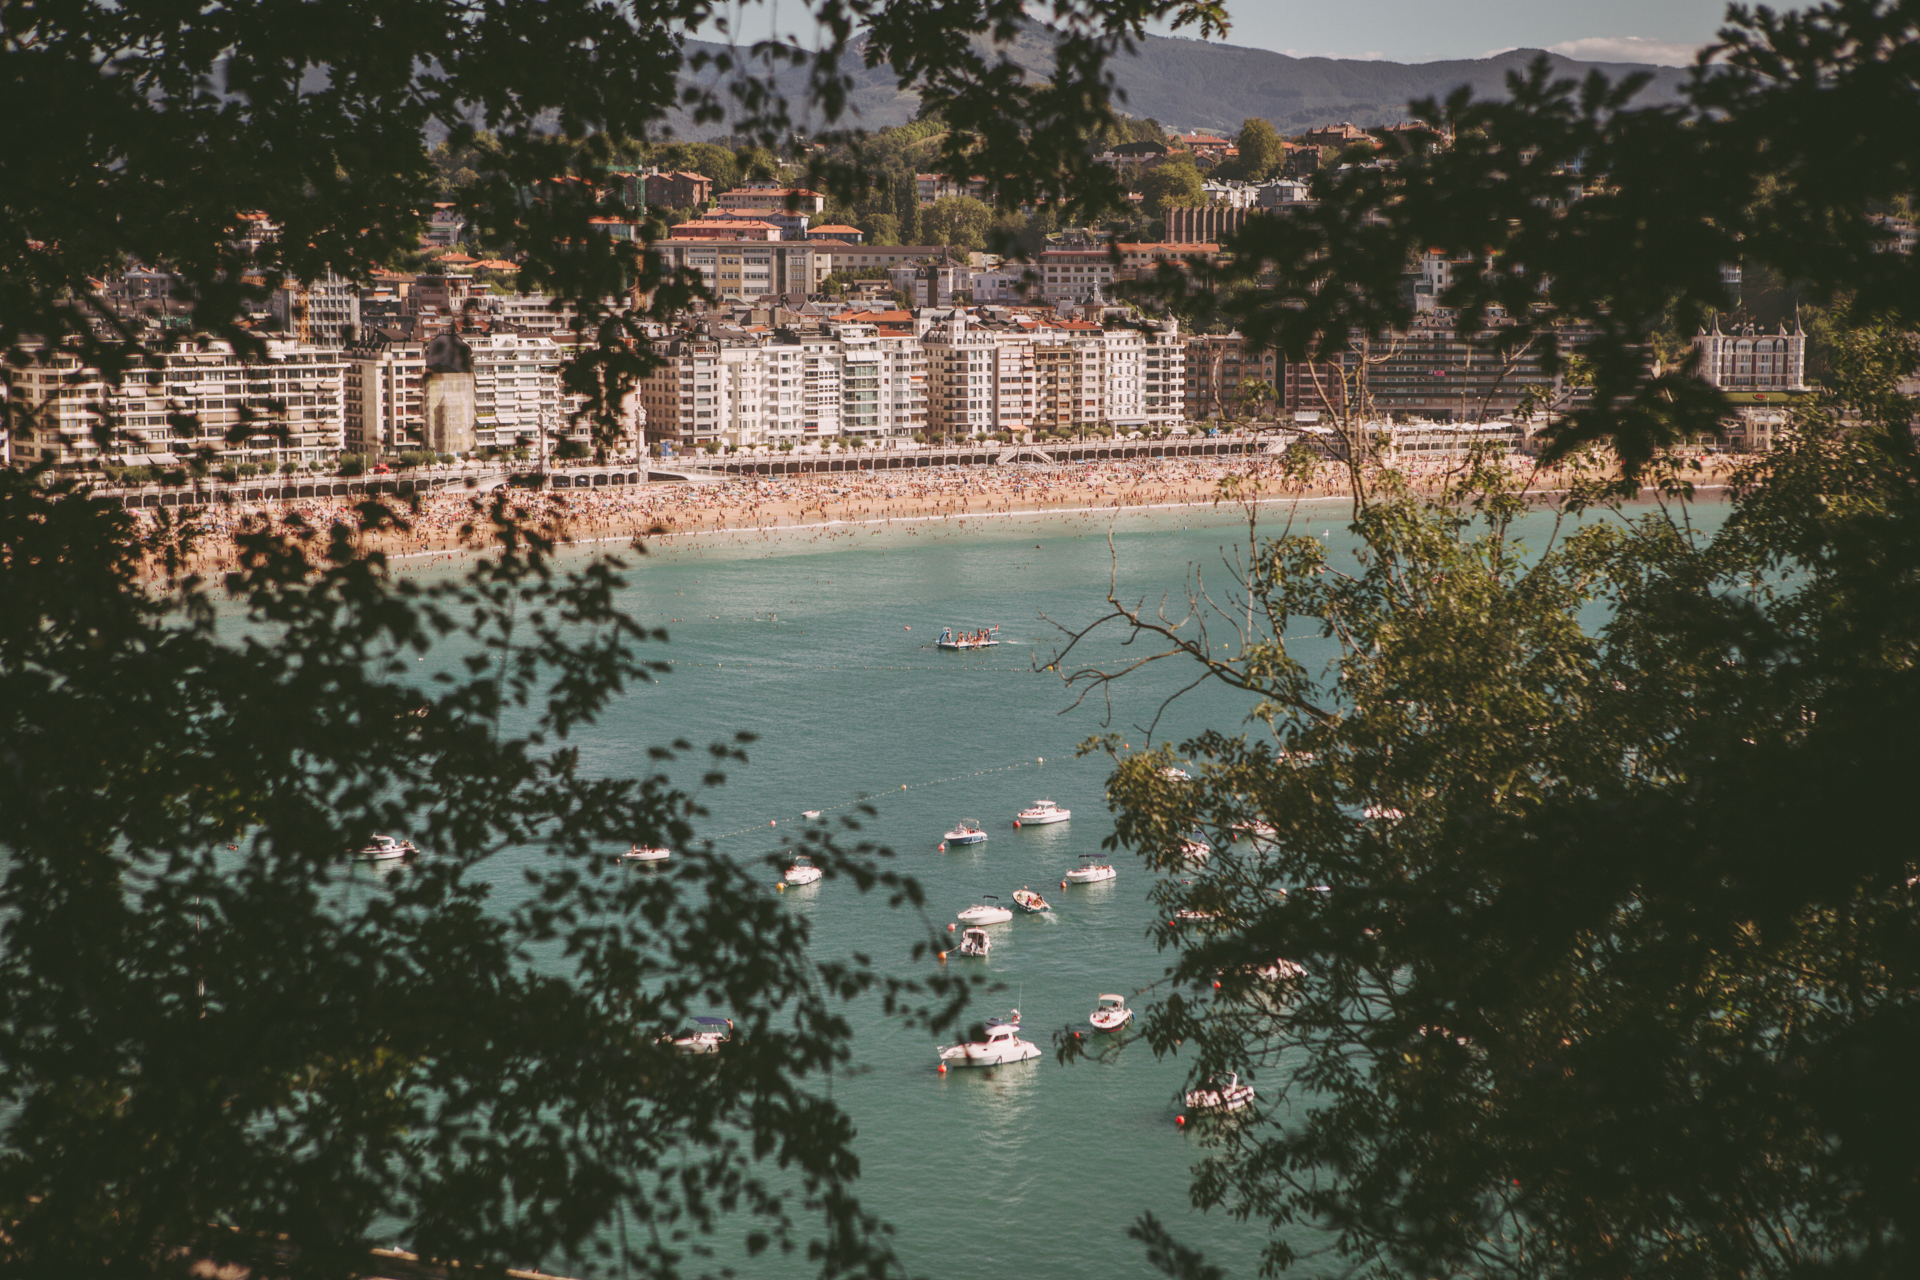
(449, 523)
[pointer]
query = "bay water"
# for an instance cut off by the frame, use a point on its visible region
(822, 644)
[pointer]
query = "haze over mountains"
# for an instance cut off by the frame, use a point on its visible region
(1192, 84)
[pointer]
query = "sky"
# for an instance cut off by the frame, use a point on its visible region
(1663, 31)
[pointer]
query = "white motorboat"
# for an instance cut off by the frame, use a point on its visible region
(1173, 773)
(1255, 830)
(706, 1035)
(975, 942)
(802, 872)
(983, 913)
(1002, 1044)
(1381, 814)
(1040, 813)
(1091, 870)
(967, 831)
(1281, 970)
(1195, 849)
(385, 849)
(1112, 1014)
(809, 813)
(646, 853)
(1029, 901)
(1220, 1094)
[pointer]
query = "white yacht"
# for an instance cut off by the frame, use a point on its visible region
(802, 872)
(1041, 812)
(1003, 1044)
(984, 913)
(706, 1035)
(646, 853)
(385, 849)
(1029, 901)
(1220, 1093)
(1091, 870)
(966, 831)
(1112, 1014)
(975, 942)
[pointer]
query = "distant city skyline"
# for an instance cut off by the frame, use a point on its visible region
(1667, 32)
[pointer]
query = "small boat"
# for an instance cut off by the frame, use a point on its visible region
(974, 942)
(1091, 870)
(949, 639)
(1174, 774)
(706, 1035)
(1189, 915)
(984, 914)
(1281, 970)
(809, 813)
(1254, 830)
(1003, 1044)
(1112, 1014)
(1040, 813)
(802, 872)
(646, 853)
(967, 831)
(385, 849)
(1220, 1094)
(1195, 849)
(1380, 814)
(1029, 901)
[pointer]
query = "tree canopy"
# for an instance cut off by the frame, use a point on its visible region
(1170, 184)
(1575, 932)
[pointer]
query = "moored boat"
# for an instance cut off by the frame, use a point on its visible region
(1091, 870)
(987, 911)
(385, 849)
(802, 872)
(1220, 1094)
(706, 1035)
(646, 853)
(1112, 1014)
(1040, 813)
(1029, 901)
(974, 942)
(966, 831)
(1001, 1045)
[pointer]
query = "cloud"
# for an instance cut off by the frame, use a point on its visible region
(1666, 53)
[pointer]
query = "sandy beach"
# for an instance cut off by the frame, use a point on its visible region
(816, 508)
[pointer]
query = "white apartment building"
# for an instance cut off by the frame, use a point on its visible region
(963, 394)
(516, 389)
(325, 312)
(176, 402)
(1750, 359)
(1163, 373)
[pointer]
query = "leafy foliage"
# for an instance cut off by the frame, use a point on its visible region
(216, 1033)
(1592, 851)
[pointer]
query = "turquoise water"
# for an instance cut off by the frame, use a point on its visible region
(823, 646)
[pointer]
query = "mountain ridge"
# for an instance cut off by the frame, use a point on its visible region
(1235, 82)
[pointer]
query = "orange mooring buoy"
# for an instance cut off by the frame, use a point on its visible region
(1179, 1119)
(943, 1068)
(949, 928)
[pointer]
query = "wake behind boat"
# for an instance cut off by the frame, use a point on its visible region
(950, 639)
